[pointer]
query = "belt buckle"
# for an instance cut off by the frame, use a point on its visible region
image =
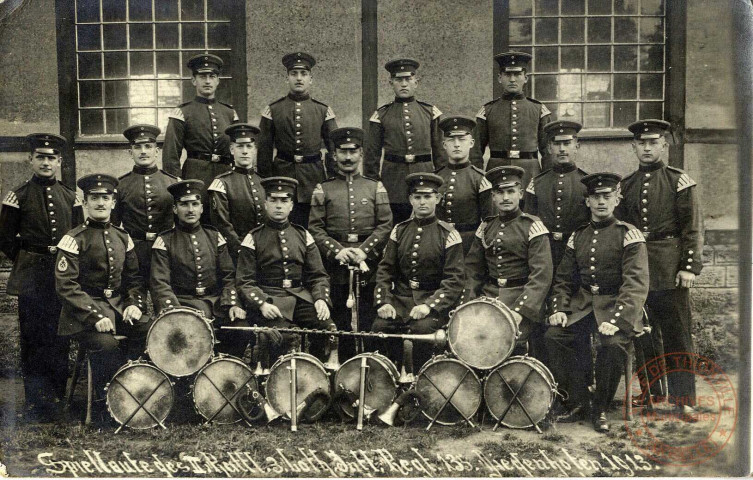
(108, 292)
(352, 238)
(414, 284)
(215, 158)
(201, 291)
(297, 158)
(557, 235)
(287, 283)
(151, 236)
(501, 282)
(410, 158)
(514, 154)
(594, 289)
(52, 249)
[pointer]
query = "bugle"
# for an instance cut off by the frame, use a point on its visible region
(438, 338)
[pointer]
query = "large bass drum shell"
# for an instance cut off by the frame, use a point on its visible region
(139, 383)
(310, 376)
(180, 341)
(381, 382)
(228, 375)
(446, 374)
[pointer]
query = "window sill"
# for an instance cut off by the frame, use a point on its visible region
(97, 142)
(604, 134)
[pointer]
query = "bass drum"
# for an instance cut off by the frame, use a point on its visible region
(381, 383)
(180, 341)
(310, 377)
(219, 386)
(437, 380)
(482, 332)
(140, 395)
(536, 394)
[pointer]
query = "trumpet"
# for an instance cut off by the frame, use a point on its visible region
(438, 338)
(406, 398)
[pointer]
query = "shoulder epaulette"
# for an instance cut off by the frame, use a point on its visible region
(207, 226)
(72, 190)
(319, 102)
(437, 170)
(116, 227)
(76, 230)
(329, 179)
(541, 175)
(306, 234)
(227, 105)
(675, 169)
(580, 170)
(170, 175)
(530, 217)
(125, 175)
(177, 112)
(489, 218)
(278, 100)
(369, 178)
(628, 176)
(492, 101)
(478, 170)
(445, 225)
(225, 174)
(536, 229)
(384, 107)
(400, 225)
(169, 230)
(534, 100)
(578, 229)
(184, 104)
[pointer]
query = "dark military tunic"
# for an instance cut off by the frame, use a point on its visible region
(237, 205)
(144, 207)
(466, 199)
(402, 128)
(33, 218)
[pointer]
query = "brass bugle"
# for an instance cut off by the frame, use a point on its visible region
(390, 414)
(270, 412)
(438, 338)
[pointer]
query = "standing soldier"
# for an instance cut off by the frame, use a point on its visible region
(33, 218)
(420, 277)
(298, 127)
(512, 125)
(661, 200)
(237, 196)
(198, 127)
(143, 205)
(600, 285)
(466, 193)
(510, 259)
(350, 222)
(407, 131)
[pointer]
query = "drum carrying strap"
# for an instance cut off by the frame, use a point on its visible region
(448, 400)
(141, 404)
(515, 394)
(228, 400)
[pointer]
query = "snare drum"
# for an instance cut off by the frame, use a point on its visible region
(180, 341)
(381, 382)
(482, 332)
(310, 377)
(219, 386)
(139, 395)
(437, 380)
(537, 394)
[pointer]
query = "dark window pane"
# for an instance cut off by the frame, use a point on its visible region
(652, 7)
(652, 30)
(143, 115)
(599, 59)
(114, 36)
(113, 10)
(91, 122)
(547, 7)
(140, 35)
(141, 93)
(166, 10)
(624, 113)
(142, 64)
(115, 65)
(596, 115)
(87, 11)
(140, 10)
(546, 31)
(569, 87)
(625, 30)
(572, 29)
(573, 7)
(116, 93)
(546, 87)
(651, 110)
(573, 59)
(167, 35)
(192, 10)
(625, 7)
(546, 60)
(168, 93)
(625, 87)
(626, 58)
(598, 87)
(569, 111)
(89, 65)
(193, 35)
(168, 65)
(117, 120)
(520, 31)
(88, 37)
(652, 57)
(219, 10)
(652, 87)
(219, 35)
(520, 7)
(90, 94)
(599, 7)
(599, 30)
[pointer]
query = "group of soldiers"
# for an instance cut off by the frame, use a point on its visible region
(269, 230)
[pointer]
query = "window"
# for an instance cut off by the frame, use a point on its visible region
(131, 58)
(597, 62)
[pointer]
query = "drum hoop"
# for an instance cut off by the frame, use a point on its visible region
(525, 360)
(198, 313)
(299, 355)
(507, 318)
(377, 357)
(445, 358)
(140, 363)
(217, 358)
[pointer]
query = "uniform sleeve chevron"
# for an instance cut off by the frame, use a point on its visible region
(267, 112)
(484, 185)
(159, 244)
(129, 244)
(435, 112)
(684, 182)
(77, 202)
(633, 236)
(177, 114)
(220, 240)
(309, 239)
(571, 241)
(453, 239)
(217, 186)
(537, 228)
(380, 188)
(11, 200)
(235, 116)
(375, 117)
(393, 234)
(330, 114)
(530, 189)
(482, 113)
(544, 111)
(248, 242)
(480, 230)
(68, 244)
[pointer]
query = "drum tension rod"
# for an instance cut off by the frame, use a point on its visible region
(141, 405)
(515, 398)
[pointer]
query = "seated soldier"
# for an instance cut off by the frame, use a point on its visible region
(191, 267)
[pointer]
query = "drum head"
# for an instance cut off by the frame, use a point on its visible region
(436, 382)
(482, 333)
(138, 394)
(380, 382)
(180, 342)
(218, 382)
(310, 376)
(537, 394)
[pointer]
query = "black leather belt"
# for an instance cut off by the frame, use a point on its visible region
(289, 157)
(416, 284)
(100, 292)
(561, 235)
(513, 154)
(408, 158)
(147, 236)
(40, 249)
(350, 237)
(600, 290)
(651, 236)
(284, 283)
(508, 282)
(211, 157)
(198, 291)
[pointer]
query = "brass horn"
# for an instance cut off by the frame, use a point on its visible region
(389, 415)
(438, 338)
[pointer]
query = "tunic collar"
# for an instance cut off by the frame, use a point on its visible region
(45, 182)
(349, 176)
(207, 101)
(96, 224)
(298, 97)
(145, 170)
(183, 227)
(244, 171)
(422, 222)
(404, 100)
(513, 96)
(652, 167)
(277, 225)
(507, 216)
(604, 223)
(564, 167)
(459, 166)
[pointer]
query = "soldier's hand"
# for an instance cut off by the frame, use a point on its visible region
(105, 325)
(131, 313)
(608, 329)
(237, 313)
(358, 255)
(684, 279)
(420, 311)
(387, 311)
(559, 318)
(269, 311)
(518, 317)
(343, 256)
(322, 310)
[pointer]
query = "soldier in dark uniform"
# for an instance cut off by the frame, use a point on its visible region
(600, 286)
(97, 280)
(510, 258)
(662, 202)
(350, 221)
(512, 125)
(192, 268)
(281, 279)
(198, 127)
(142, 204)
(420, 277)
(237, 196)
(33, 218)
(298, 127)
(466, 193)
(407, 131)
